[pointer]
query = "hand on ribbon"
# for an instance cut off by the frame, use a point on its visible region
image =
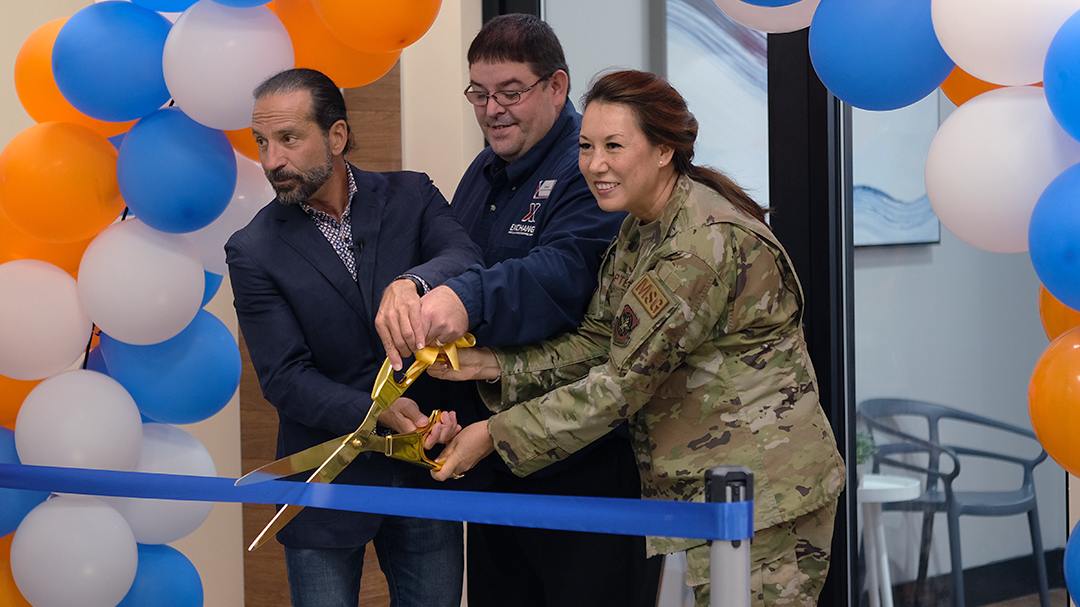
(398, 321)
(476, 363)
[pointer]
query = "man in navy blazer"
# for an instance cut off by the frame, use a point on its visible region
(309, 274)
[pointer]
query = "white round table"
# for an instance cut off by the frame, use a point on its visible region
(875, 489)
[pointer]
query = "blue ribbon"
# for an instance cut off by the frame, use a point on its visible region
(711, 521)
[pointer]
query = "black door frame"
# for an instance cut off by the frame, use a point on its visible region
(810, 190)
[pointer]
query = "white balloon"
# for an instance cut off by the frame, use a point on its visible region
(79, 419)
(774, 20)
(990, 161)
(139, 285)
(252, 193)
(167, 450)
(1000, 41)
(216, 55)
(73, 550)
(43, 326)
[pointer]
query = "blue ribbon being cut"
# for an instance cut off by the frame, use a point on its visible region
(711, 521)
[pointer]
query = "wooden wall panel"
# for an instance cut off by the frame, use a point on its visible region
(375, 120)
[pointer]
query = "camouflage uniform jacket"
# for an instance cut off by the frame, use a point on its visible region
(694, 334)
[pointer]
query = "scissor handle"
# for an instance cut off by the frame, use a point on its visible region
(409, 447)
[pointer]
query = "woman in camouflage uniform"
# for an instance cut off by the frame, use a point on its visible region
(694, 335)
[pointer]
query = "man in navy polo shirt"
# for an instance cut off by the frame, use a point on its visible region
(524, 201)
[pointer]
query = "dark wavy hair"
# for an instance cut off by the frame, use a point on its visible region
(520, 38)
(662, 115)
(327, 102)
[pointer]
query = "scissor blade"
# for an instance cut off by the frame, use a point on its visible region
(302, 461)
(345, 454)
(282, 518)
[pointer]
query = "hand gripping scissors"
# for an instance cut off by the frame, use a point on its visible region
(331, 457)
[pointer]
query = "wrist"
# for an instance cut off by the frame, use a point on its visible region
(492, 370)
(422, 287)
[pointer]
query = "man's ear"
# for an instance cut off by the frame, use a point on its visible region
(559, 83)
(338, 135)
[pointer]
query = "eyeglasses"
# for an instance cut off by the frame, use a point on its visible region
(503, 98)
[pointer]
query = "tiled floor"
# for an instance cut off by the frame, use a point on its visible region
(1059, 597)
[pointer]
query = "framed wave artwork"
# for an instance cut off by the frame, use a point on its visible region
(720, 67)
(888, 160)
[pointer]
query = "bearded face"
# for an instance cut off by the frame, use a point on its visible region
(294, 187)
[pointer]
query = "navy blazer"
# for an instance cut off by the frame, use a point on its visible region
(310, 328)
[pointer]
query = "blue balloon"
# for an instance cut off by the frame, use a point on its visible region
(1061, 76)
(164, 578)
(1072, 564)
(15, 504)
(880, 55)
(770, 3)
(182, 380)
(165, 6)
(1054, 237)
(213, 283)
(175, 174)
(117, 140)
(95, 361)
(107, 61)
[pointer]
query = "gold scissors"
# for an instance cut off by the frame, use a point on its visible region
(331, 457)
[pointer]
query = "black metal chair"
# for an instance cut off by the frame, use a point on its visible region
(939, 496)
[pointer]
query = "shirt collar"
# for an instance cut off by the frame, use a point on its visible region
(522, 168)
(317, 214)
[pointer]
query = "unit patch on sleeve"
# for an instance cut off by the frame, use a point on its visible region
(650, 295)
(624, 324)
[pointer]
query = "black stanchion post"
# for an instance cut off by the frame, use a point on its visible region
(729, 561)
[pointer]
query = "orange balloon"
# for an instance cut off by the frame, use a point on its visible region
(16, 244)
(58, 182)
(244, 142)
(377, 26)
(1057, 317)
(1054, 400)
(961, 86)
(12, 394)
(37, 90)
(316, 47)
(9, 593)
(5, 547)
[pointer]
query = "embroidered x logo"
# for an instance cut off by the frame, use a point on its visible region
(533, 207)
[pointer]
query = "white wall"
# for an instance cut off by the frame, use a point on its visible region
(438, 127)
(952, 324)
(598, 36)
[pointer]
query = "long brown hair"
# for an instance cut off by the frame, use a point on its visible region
(663, 117)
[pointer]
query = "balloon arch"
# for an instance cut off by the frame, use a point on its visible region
(140, 115)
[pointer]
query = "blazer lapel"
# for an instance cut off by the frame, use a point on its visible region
(367, 213)
(300, 233)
